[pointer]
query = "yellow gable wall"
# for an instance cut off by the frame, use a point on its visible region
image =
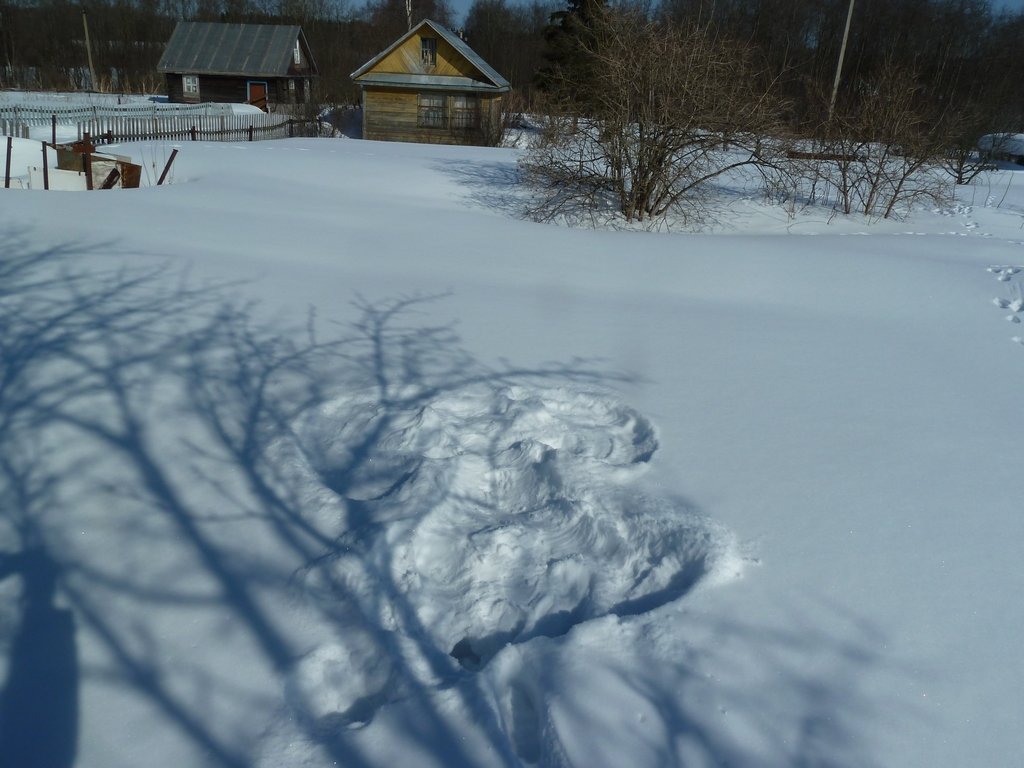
(406, 59)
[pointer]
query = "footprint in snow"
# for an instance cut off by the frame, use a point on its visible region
(1006, 273)
(1015, 304)
(504, 514)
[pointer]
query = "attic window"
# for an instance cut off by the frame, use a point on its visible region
(428, 51)
(297, 53)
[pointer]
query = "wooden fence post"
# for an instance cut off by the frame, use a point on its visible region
(7, 165)
(46, 169)
(250, 131)
(174, 153)
(53, 129)
(87, 165)
(193, 133)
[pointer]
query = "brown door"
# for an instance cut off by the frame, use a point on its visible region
(258, 94)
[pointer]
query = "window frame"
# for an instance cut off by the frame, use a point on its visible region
(428, 51)
(465, 116)
(190, 86)
(431, 110)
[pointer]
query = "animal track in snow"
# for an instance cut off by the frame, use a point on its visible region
(1007, 273)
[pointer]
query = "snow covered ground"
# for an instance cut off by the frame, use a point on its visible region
(333, 459)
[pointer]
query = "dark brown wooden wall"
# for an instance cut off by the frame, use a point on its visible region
(233, 90)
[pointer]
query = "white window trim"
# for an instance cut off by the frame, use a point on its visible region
(190, 85)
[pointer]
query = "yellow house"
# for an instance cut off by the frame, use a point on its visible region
(430, 87)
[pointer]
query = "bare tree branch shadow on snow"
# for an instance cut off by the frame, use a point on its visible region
(208, 483)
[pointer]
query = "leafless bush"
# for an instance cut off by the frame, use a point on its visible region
(880, 154)
(667, 110)
(495, 123)
(963, 159)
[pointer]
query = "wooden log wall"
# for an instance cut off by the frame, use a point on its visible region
(393, 115)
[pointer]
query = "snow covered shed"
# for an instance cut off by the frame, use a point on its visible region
(430, 87)
(1003, 146)
(267, 65)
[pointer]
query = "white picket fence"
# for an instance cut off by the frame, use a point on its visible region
(43, 114)
(11, 127)
(186, 127)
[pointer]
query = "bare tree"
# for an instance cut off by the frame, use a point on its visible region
(667, 110)
(883, 149)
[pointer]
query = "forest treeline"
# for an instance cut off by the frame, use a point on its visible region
(962, 53)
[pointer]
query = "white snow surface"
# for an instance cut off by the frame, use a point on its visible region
(338, 461)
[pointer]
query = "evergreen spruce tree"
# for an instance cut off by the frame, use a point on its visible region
(568, 75)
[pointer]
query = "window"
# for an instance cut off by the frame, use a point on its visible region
(190, 86)
(428, 51)
(297, 53)
(431, 111)
(465, 112)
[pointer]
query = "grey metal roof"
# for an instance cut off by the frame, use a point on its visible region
(439, 82)
(232, 49)
(486, 70)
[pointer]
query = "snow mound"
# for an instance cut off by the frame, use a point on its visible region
(341, 684)
(492, 516)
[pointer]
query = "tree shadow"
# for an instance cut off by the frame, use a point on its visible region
(745, 698)
(94, 361)
(39, 700)
(234, 513)
(495, 186)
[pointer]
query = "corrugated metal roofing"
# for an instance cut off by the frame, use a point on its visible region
(463, 47)
(231, 49)
(497, 81)
(440, 82)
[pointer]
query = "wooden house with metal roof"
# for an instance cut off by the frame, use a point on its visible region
(263, 64)
(429, 86)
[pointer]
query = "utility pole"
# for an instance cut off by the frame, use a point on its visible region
(839, 65)
(408, 14)
(88, 51)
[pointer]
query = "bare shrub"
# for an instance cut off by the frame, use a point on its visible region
(963, 159)
(881, 153)
(667, 110)
(497, 121)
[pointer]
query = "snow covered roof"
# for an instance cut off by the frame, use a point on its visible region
(1003, 143)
